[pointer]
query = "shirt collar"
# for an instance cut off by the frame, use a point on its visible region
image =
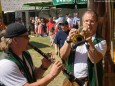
(93, 37)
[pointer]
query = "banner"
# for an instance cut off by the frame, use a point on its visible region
(81, 1)
(59, 2)
(70, 3)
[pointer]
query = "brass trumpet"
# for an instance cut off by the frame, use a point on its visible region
(79, 36)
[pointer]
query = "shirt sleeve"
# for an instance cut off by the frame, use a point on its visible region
(10, 74)
(101, 47)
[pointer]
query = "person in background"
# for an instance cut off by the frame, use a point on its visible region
(45, 26)
(50, 25)
(52, 36)
(50, 30)
(16, 65)
(32, 27)
(60, 18)
(69, 20)
(57, 21)
(61, 36)
(76, 21)
(36, 25)
(57, 26)
(85, 58)
(41, 28)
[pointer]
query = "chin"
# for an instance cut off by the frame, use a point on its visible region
(92, 34)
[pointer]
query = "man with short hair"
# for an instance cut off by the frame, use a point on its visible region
(61, 36)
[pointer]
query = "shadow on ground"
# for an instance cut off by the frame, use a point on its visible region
(39, 45)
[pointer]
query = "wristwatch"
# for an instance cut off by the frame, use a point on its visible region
(43, 68)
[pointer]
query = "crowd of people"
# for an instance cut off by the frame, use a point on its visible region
(83, 61)
(46, 24)
(50, 27)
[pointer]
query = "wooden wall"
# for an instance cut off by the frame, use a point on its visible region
(103, 10)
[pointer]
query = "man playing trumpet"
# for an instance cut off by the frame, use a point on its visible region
(85, 62)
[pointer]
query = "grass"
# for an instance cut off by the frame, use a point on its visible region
(43, 44)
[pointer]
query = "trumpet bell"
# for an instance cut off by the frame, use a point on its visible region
(77, 38)
(80, 38)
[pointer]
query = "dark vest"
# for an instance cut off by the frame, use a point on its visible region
(23, 68)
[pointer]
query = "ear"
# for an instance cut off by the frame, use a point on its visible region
(15, 40)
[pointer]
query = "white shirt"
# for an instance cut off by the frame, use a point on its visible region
(60, 19)
(81, 56)
(10, 74)
(70, 22)
(76, 20)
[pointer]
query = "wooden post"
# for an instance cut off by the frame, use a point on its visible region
(103, 11)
